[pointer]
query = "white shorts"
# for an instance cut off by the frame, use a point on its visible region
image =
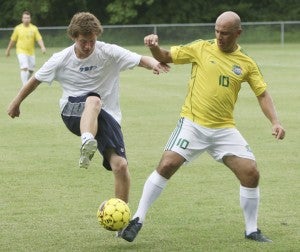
(26, 61)
(190, 140)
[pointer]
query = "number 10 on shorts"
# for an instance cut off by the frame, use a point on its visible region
(182, 143)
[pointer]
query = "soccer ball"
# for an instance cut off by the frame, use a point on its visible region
(113, 214)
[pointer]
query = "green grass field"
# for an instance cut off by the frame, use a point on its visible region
(48, 204)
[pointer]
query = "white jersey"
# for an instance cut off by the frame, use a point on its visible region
(97, 73)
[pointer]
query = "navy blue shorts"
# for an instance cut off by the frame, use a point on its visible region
(109, 133)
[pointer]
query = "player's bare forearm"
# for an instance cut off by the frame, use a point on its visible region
(151, 63)
(10, 45)
(42, 46)
(161, 54)
(158, 53)
(14, 107)
(268, 108)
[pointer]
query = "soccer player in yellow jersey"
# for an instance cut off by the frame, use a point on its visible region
(218, 69)
(24, 37)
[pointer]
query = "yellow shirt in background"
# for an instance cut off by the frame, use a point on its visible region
(25, 38)
(215, 81)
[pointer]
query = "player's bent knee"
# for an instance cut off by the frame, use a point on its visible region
(253, 171)
(251, 177)
(167, 167)
(121, 167)
(255, 175)
(94, 102)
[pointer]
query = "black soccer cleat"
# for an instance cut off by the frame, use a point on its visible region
(258, 236)
(131, 231)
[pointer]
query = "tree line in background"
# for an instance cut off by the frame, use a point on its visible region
(109, 12)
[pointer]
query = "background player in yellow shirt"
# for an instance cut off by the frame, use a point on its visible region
(218, 68)
(24, 36)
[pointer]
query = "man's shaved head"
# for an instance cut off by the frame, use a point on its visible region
(231, 19)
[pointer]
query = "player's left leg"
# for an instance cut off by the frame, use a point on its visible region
(24, 67)
(247, 173)
(31, 65)
(24, 75)
(230, 147)
(112, 147)
(245, 170)
(120, 170)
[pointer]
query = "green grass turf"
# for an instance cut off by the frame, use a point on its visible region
(48, 204)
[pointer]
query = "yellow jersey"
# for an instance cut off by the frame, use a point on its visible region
(215, 81)
(25, 37)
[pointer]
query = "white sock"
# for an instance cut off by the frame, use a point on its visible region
(24, 76)
(86, 136)
(249, 201)
(153, 187)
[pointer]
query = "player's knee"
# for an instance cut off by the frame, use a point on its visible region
(252, 176)
(120, 167)
(93, 102)
(167, 167)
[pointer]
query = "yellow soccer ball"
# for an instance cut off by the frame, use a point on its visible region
(113, 214)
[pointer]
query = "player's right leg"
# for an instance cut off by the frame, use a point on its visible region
(80, 115)
(87, 151)
(89, 117)
(89, 128)
(177, 151)
(154, 185)
(184, 145)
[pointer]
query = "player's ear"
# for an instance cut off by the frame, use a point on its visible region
(239, 32)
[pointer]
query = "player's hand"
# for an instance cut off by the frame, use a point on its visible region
(43, 50)
(278, 131)
(151, 40)
(7, 53)
(13, 109)
(161, 68)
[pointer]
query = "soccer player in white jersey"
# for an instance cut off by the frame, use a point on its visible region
(24, 37)
(219, 66)
(88, 72)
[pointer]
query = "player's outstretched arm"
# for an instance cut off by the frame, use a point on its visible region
(158, 53)
(156, 66)
(267, 106)
(14, 107)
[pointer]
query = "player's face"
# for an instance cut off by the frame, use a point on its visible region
(226, 37)
(84, 45)
(26, 19)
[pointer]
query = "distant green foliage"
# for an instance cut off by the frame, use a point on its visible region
(59, 13)
(124, 11)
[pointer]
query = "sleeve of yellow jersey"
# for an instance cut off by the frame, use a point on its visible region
(181, 54)
(256, 81)
(38, 36)
(14, 36)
